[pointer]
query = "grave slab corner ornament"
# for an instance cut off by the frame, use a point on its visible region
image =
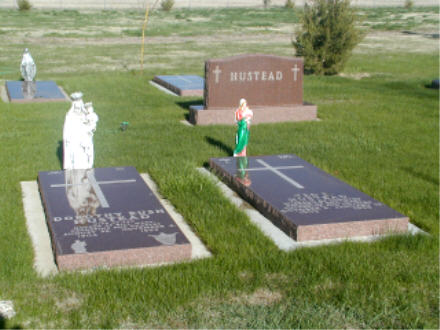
(305, 202)
(106, 217)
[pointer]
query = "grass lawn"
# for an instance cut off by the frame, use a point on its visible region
(378, 131)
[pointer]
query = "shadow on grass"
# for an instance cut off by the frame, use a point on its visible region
(4, 326)
(420, 175)
(219, 144)
(186, 104)
(60, 153)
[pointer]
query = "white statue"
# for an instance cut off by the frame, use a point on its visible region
(79, 126)
(28, 68)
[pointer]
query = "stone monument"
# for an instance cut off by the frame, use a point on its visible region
(105, 217)
(272, 85)
(29, 90)
(79, 127)
(304, 201)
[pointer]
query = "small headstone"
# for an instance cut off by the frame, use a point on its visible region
(272, 85)
(304, 201)
(107, 217)
(435, 83)
(79, 127)
(182, 85)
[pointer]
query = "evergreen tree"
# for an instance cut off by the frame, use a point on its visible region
(327, 36)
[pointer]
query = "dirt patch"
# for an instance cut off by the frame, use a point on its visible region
(262, 297)
(69, 303)
(355, 76)
(397, 42)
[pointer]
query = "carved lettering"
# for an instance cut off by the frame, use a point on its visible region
(271, 76)
(279, 75)
(234, 76)
(264, 75)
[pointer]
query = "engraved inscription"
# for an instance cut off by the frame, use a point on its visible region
(248, 76)
(317, 202)
(108, 222)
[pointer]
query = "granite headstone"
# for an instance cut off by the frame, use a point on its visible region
(34, 91)
(182, 85)
(107, 217)
(272, 85)
(304, 201)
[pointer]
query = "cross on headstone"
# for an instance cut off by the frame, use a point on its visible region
(217, 72)
(96, 187)
(276, 171)
(295, 70)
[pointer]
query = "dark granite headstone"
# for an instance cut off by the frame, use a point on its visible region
(31, 91)
(183, 85)
(108, 217)
(304, 201)
(272, 86)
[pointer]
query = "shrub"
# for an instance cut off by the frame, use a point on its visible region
(24, 5)
(289, 4)
(327, 36)
(409, 4)
(167, 5)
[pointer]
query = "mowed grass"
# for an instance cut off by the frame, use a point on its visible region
(379, 134)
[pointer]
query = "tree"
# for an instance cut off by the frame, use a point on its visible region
(327, 36)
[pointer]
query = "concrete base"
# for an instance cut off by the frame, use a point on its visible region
(200, 116)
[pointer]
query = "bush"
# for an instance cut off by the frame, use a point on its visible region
(289, 4)
(167, 5)
(24, 5)
(409, 4)
(327, 36)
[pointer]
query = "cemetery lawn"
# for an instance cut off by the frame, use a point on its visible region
(378, 132)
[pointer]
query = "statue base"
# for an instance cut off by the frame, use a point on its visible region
(271, 114)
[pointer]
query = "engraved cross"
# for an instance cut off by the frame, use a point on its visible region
(96, 187)
(276, 170)
(217, 72)
(295, 70)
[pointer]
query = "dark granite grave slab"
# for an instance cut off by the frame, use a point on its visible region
(304, 201)
(39, 91)
(183, 85)
(108, 217)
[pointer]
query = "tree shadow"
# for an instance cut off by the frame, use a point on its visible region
(60, 153)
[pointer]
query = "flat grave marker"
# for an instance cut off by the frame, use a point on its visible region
(108, 217)
(31, 91)
(182, 85)
(304, 201)
(272, 86)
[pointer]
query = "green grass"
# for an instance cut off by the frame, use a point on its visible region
(379, 134)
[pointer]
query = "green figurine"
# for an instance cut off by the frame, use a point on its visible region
(243, 116)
